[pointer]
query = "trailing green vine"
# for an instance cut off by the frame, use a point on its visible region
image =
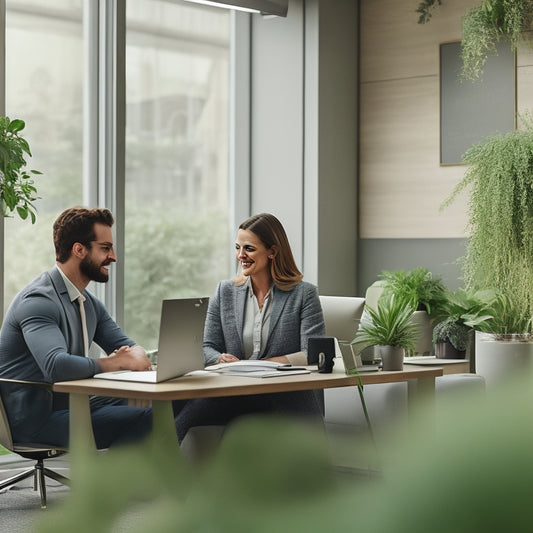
(486, 25)
(483, 27)
(500, 246)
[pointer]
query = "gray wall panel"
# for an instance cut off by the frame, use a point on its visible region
(438, 255)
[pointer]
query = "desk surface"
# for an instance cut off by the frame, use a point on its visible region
(204, 386)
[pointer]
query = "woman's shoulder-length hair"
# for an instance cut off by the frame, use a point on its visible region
(283, 269)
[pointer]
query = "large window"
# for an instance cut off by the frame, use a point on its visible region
(44, 88)
(176, 138)
(177, 61)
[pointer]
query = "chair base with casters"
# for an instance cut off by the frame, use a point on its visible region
(39, 472)
(34, 451)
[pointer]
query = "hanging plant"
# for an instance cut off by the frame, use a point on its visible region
(17, 189)
(425, 10)
(486, 25)
(499, 253)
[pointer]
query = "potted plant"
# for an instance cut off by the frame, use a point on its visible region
(390, 328)
(486, 25)
(17, 190)
(504, 341)
(499, 251)
(451, 337)
(426, 294)
(499, 179)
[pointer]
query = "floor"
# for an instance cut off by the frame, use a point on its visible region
(20, 504)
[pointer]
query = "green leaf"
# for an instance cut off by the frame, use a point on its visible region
(16, 125)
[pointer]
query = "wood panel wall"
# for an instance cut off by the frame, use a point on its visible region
(402, 183)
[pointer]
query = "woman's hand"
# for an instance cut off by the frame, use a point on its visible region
(279, 359)
(227, 358)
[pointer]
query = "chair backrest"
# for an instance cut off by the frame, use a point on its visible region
(5, 432)
(342, 315)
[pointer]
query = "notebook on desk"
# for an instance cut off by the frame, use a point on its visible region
(180, 351)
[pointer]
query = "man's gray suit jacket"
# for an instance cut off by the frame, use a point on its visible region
(296, 315)
(41, 340)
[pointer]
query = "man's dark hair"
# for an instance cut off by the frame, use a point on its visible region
(76, 224)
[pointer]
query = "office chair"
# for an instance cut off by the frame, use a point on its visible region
(29, 450)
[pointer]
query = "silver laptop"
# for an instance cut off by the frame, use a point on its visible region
(180, 343)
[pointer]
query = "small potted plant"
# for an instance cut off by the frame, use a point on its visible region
(451, 337)
(17, 190)
(390, 328)
(426, 294)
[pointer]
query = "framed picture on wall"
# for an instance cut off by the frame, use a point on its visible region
(470, 111)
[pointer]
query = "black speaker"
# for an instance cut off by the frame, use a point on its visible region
(321, 352)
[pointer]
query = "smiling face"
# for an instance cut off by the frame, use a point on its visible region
(252, 253)
(95, 265)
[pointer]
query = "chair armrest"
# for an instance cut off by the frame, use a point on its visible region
(24, 382)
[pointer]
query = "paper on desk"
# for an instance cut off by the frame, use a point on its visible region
(255, 369)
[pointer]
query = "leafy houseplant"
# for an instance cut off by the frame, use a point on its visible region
(389, 325)
(451, 336)
(504, 342)
(450, 332)
(17, 190)
(419, 287)
(500, 210)
(426, 294)
(500, 248)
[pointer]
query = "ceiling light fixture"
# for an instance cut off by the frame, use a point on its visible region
(266, 7)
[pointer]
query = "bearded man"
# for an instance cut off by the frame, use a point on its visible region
(47, 333)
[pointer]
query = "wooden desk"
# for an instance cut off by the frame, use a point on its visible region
(204, 386)
(449, 366)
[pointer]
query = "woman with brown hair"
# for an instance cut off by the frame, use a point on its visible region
(265, 312)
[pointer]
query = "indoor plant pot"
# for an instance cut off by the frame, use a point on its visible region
(391, 357)
(500, 358)
(426, 294)
(389, 327)
(504, 343)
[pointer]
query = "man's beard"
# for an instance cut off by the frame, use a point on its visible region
(93, 271)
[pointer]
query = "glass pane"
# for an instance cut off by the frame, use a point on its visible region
(176, 226)
(44, 88)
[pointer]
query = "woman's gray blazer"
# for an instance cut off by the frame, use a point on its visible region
(296, 315)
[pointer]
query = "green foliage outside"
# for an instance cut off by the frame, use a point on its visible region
(499, 253)
(171, 253)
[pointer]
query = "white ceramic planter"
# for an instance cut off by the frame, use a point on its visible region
(500, 360)
(424, 345)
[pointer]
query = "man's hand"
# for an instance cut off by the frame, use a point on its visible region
(125, 358)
